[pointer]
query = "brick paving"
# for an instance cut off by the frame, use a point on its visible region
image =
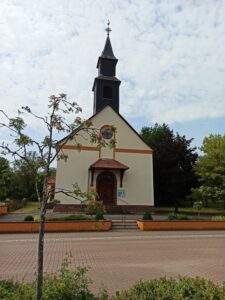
(117, 259)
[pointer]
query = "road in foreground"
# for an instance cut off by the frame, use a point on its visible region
(117, 259)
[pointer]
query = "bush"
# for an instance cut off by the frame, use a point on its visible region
(7, 288)
(198, 205)
(182, 217)
(29, 218)
(172, 217)
(37, 218)
(147, 216)
(74, 284)
(68, 284)
(218, 218)
(173, 289)
(99, 216)
(93, 206)
(75, 217)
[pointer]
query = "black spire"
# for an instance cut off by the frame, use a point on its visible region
(106, 85)
(108, 51)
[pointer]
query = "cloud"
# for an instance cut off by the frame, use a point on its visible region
(171, 55)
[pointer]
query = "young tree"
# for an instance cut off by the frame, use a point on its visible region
(44, 151)
(173, 164)
(211, 171)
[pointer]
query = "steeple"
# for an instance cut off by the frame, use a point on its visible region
(106, 85)
(108, 51)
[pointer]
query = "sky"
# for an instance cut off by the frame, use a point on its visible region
(171, 58)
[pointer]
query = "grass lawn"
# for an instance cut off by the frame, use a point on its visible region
(30, 207)
(189, 210)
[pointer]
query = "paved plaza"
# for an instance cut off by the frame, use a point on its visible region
(117, 259)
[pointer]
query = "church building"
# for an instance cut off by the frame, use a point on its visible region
(121, 175)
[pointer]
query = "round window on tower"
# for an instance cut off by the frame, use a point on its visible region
(106, 132)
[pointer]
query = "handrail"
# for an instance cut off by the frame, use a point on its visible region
(124, 213)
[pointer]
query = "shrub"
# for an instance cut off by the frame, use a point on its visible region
(29, 218)
(99, 216)
(218, 218)
(177, 217)
(69, 284)
(37, 218)
(74, 284)
(198, 205)
(7, 288)
(92, 206)
(147, 216)
(182, 217)
(75, 217)
(173, 289)
(172, 217)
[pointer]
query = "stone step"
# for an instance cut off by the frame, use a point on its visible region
(125, 225)
(128, 224)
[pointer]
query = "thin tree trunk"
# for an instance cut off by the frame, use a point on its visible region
(40, 262)
(37, 192)
(40, 268)
(40, 256)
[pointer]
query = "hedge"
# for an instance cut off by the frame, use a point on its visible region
(74, 284)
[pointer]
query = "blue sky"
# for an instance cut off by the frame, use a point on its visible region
(171, 58)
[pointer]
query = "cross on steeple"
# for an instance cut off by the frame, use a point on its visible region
(106, 85)
(108, 29)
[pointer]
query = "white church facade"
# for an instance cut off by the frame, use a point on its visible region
(121, 175)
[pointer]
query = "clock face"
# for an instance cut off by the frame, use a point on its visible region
(106, 132)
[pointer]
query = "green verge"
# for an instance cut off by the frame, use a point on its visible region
(189, 210)
(29, 208)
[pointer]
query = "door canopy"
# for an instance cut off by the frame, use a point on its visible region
(110, 165)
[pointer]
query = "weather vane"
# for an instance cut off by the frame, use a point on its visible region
(108, 29)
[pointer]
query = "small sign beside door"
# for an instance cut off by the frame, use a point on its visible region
(121, 193)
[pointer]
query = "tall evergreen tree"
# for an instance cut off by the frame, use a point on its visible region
(174, 160)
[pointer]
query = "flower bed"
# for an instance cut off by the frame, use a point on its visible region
(181, 225)
(56, 226)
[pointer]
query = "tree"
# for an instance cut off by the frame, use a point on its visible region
(24, 180)
(5, 178)
(44, 151)
(211, 171)
(173, 164)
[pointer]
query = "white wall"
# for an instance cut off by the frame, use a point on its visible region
(138, 180)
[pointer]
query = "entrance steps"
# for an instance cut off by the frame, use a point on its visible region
(124, 224)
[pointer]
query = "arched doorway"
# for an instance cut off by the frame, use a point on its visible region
(106, 185)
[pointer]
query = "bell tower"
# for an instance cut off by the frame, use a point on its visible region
(106, 85)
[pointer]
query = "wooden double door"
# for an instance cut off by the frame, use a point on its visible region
(106, 185)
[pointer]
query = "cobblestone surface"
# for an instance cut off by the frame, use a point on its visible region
(117, 259)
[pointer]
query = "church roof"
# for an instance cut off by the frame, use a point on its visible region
(108, 51)
(108, 163)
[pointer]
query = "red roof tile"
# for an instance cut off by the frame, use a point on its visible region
(107, 163)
